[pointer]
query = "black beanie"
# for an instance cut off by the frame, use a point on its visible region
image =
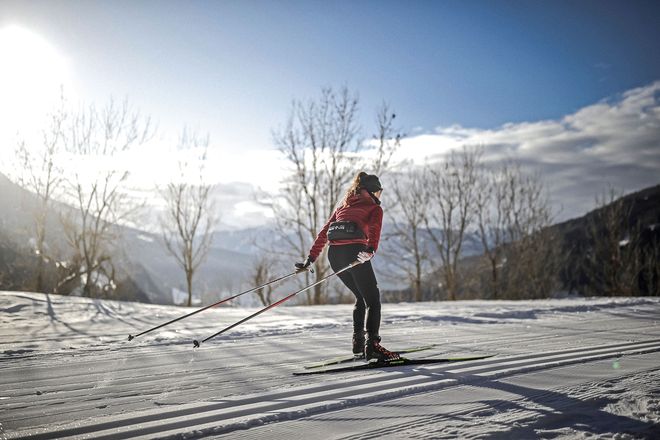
(371, 183)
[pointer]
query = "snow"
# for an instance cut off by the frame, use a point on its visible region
(145, 238)
(564, 368)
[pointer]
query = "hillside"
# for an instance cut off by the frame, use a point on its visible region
(148, 271)
(644, 208)
(568, 369)
(151, 275)
(633, 218)
(641, 210)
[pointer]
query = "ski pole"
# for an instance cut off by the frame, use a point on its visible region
(196, 343)
(131, 337)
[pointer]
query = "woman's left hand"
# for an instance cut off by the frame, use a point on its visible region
(364, 256)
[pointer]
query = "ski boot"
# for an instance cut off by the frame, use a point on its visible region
(358, 345)
(375, 352)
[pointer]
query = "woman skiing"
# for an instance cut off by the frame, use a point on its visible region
(353, 232)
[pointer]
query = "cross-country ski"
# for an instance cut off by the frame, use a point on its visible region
(402, 362)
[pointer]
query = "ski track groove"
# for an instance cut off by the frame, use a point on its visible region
(239, 413)
(200, 374)
(467, 410)
(404, 390)
(78, 392)
(507, 416)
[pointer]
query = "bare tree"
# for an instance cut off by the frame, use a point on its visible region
(490, 209)
(532, 252)
(189, 216)
(613, 261)
(388, 139)
(320, 141)
(39, 173)
(451, 187)
(649, 258)
(411, 254)
(511, 214)
(261, 274)
(94, 139)
(316, 141)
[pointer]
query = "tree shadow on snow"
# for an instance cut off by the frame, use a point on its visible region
(102, 310)
(561, 411)
(548, 413)
(54, 319)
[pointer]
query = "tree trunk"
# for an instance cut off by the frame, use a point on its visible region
(189, 283)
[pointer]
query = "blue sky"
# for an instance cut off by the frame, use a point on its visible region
(232, 67)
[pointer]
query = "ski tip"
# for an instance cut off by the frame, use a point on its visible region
(195, 344)
(131, 337)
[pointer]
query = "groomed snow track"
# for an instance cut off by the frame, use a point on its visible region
(243, 388)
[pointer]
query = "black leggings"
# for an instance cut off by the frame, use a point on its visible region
(361, 280)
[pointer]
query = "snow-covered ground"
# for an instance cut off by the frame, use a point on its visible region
(573, 368)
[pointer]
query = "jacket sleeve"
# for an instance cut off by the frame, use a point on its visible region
(375, 225)
(321, 238)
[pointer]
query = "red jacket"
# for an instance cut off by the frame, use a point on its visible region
(361, 209)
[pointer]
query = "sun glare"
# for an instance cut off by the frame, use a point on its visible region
(32, 75)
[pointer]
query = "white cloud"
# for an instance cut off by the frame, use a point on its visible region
(237, 206)
(615, 141)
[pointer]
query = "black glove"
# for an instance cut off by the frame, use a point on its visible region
(305, 264)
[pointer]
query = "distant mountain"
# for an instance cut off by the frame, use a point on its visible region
(151, 274)
(143, 258)
(223, 270)
(18, 262)
(643, 205)
(149, 271)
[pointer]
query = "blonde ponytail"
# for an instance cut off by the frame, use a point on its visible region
(354, 189)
